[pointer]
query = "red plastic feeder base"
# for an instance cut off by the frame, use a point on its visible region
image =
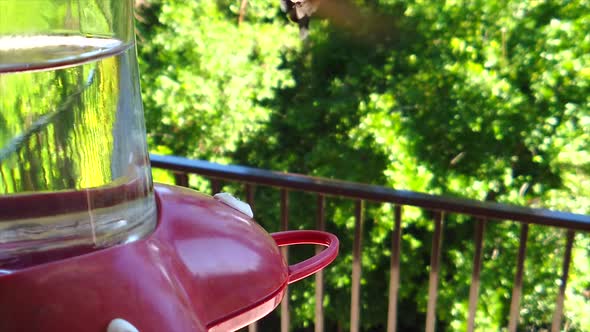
(206, 267)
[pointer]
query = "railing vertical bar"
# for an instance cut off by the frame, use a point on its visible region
(250, 190)
(250, 200)
(394, 269)
(474, 288)
(355, 308)
(557, 315)
(215, 185)
(181, 179)
(434, 271)
(285, 319)
(517, 289)
(319, 276)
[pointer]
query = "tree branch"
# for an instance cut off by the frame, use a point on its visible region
(242, 11)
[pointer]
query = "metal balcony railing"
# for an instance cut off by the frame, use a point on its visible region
(360, 193)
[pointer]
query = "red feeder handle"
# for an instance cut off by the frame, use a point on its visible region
(314, 264)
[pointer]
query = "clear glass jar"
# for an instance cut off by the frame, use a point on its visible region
(74, 168)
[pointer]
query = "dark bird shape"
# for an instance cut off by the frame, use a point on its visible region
(300, 11)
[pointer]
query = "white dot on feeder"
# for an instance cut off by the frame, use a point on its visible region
(235, 203)
(121, 325)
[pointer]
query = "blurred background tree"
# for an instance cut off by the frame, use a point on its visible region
(481, 99)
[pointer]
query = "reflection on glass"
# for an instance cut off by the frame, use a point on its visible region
(74, 170)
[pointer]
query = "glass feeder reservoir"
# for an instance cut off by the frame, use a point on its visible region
(74, 172)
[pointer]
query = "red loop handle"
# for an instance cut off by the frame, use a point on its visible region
(314, 264)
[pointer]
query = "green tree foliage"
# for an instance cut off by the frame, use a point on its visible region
(204, 77)
(486, 100)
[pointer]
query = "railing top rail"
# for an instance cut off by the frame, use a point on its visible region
(487, 210)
